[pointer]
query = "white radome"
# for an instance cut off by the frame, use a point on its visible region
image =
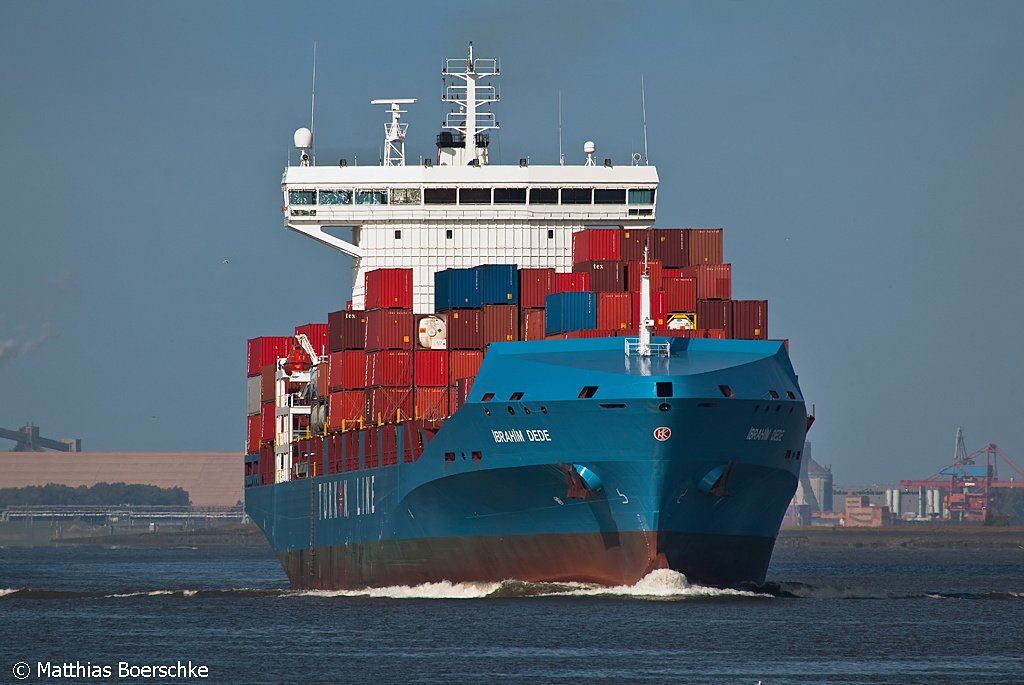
(303, 138)
(588, 147)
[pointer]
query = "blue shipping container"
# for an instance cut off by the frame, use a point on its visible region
(456, 289)
(499, 283)
(570, 312)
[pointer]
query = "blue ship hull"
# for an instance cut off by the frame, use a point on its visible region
(604, 468)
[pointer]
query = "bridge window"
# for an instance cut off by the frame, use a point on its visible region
(335, 197)
(405, 196)
(543, 196)
(371, 197)
(577, 196)
(641, 196)
(510, 196)
(301, 197)
(439, 196)
(474, 196)
(610, 196)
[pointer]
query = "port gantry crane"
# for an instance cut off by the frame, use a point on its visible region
(968, 483)
(27, 439)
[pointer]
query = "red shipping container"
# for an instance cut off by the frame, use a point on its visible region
(389, 329)
(634, 270)
(253, 433)
(715, 314)
(346, 330)
(605, 276)
(347, 406)
(465, 329)
(323, 378)
(596, 244)
(501, 323)
(389, 404)
(671, 273)
(659, 310)
(680, 294)
(389, 289)
(430, 368)
(534, 286)
(465, 363)
(389, 367)
(671, 246)
(268, 376)
(266, 350)
(572, 283)
(716, 333)
(614, 311)
(750, 319)
(267, 424)
(347, 370)
(531, 326)
(714, 281)
(432, 404)
(704, 246)
(317, 334)
(633, 242)
(587, 333)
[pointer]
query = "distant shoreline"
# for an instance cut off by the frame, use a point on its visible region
(910, 537)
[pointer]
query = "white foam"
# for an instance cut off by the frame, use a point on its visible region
(659, 584)
(7, 591)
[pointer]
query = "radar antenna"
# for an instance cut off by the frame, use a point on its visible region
(394, 131)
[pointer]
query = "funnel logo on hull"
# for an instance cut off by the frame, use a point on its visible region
(662, 433)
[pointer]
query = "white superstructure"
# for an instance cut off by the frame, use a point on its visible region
(459, 211)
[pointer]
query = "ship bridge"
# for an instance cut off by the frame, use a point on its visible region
(459, 211)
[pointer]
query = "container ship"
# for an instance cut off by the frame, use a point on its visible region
(529, 382)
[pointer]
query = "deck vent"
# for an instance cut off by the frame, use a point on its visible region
(664, 389)
(774, 395)
(515, 396)
(449, 456)
(587, 392)
(790, 394)
(488, 396)
(726, 391)
(477, 455)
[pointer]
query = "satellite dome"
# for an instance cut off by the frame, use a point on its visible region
(303, 138)
(588, 147)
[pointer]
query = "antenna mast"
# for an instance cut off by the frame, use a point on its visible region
(394, 132)
(561, 157)
(469, 120)
(312, 104)
(643, 104)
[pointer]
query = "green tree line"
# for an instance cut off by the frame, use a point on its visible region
(101, 494)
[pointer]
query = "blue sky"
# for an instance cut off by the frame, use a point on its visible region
(864, 159)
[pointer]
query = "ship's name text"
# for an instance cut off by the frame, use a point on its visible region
(769, 434)
(516, 435)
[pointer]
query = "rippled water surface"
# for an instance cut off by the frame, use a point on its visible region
(824, 616)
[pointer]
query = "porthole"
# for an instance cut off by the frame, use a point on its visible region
(543, 409)
(511, 410)
(487, 411)
(664, 406)
(526, 410)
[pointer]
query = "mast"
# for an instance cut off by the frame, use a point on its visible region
(646, 323)
(462, 88)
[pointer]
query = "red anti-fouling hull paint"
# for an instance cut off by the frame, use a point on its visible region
(608, 559)
(389, 289)
(346, 330)
(266, 350)
(534, 286)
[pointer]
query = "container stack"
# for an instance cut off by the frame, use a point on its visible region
(385, 365)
